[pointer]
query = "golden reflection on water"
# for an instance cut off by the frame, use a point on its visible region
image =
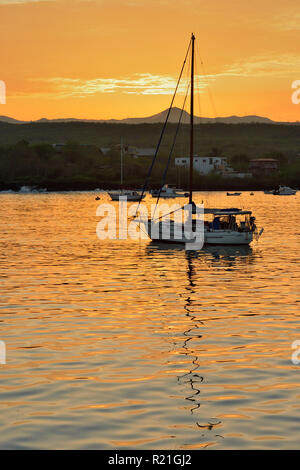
(128, 344)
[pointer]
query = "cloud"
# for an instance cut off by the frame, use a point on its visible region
(152, 84)
(262, 66)
(288, 22)
(19, 2)
(139, 84)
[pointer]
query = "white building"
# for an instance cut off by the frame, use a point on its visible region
(204, 165)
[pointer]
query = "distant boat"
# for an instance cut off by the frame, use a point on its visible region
(129, 194)
(234, 194)
(282, 191)
(168, 192)
(32, 189)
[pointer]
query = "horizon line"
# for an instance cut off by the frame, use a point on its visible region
(140, 118)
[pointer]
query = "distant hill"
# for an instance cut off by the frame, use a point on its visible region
(161, 117)
(158, 118)
(175, 115)
(240, 120)
(10, 120)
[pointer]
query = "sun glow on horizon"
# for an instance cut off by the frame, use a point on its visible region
(101, 59)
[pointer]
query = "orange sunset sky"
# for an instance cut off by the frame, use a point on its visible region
(102, 59)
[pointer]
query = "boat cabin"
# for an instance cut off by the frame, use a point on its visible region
(228, 219)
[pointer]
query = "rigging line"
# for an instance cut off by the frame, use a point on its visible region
(165, 125)
(171, 151)
(185, 121)
(140, 224)
(165, 215)
(206, 80)
(197, 137)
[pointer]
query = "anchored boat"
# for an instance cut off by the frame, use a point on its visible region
(168, 192)
(219, 226)
(130, 195)
(282, 191)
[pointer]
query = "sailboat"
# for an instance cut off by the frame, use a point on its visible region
(131, 195)
(231, 226)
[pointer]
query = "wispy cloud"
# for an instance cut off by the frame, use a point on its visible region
(18, 2)
(262, 66)
(151, 84)
(139, 84)
(288, 22)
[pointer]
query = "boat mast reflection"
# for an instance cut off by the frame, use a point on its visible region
(192, 377)
(229, 257)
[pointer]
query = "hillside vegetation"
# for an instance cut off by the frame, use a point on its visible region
(28, 158)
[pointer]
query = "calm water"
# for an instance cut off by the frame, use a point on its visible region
(125, 344)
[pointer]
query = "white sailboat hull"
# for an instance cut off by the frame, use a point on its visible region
(157, 232)
(227, 237)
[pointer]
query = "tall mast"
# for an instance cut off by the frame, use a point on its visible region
(121, 151)
(192, 123)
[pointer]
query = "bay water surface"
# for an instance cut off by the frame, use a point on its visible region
(122, 344)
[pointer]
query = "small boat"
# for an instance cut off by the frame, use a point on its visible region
(284, 191)
(233, 194)
(168, 192)
(130, 195)
(251, 194)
